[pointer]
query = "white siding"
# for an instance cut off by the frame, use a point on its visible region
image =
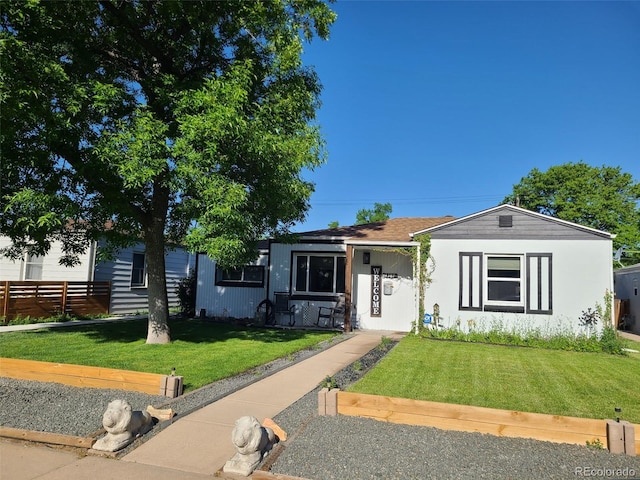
(582, 273)
(51, 268)
(399, 309)
(128, 299)
(220, 301)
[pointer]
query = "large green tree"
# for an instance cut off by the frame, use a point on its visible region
(157, 121)
(604, 198)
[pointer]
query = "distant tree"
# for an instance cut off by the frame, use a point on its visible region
(379, 213)
(334, 224)
(188, 121)
(604, 198)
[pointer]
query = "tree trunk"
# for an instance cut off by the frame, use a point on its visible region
(158, 329)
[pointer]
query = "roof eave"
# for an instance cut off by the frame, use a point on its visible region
(381, 243)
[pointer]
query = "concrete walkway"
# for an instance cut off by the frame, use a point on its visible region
(197, 445)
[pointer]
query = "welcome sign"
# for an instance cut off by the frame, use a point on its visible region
(376, 304)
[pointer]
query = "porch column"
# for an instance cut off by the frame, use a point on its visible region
(347, 289)
(420, 287)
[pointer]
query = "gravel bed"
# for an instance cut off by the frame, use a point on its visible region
(357, 448)
(57, 408)
(325, 448)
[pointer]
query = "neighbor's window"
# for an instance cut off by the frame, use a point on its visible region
(138, 270)
(315, 273)
(33, 267)
(246, 276)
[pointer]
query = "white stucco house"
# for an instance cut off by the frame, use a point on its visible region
(505, 267)
(126, 272)
(518, 270)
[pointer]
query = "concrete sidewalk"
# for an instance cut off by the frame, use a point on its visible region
(197, 445)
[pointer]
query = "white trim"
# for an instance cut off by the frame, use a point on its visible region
(520, 280)
(305, 238)
(308, 254)
(376, 243)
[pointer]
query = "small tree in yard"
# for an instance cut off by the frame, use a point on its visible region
(188, 121)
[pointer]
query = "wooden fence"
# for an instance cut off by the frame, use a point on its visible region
(41, 299)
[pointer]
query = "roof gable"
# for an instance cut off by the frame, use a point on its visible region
(511, 222)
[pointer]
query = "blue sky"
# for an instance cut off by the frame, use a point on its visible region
(439, 108)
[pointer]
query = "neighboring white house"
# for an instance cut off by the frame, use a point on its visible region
(626, 285)
(126, 272)
(505, 266)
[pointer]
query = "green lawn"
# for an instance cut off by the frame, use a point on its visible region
(202, 352)
(513, 378)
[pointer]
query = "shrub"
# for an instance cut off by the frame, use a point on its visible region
(385, 343)
(60, 317)
(186, 291)
(609, 341)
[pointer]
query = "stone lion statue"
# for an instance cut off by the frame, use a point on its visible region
(122, 425)
(252, 442)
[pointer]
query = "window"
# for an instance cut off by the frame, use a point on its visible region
(319, 273)
(504, 278)
(505, 283)
(138, 270)
(33, 267)
(246, 276)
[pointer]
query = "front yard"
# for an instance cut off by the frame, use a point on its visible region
(514, 378)
(554, 382)
(202, 352)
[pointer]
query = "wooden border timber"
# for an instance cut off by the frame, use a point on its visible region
(46, 437)
(463, 418)
(82, 376)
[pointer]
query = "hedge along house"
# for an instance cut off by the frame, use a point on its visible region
(513, 269)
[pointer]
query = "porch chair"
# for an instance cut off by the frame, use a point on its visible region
(327, 315)
(282, 307)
